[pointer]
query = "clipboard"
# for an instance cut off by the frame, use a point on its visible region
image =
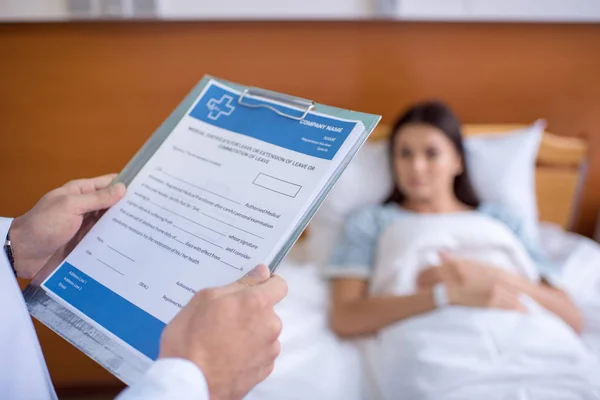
(105, 334)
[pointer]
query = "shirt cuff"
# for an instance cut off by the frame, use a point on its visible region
(4, 227)
(169, 378)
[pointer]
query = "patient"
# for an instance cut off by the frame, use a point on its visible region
(431, 246)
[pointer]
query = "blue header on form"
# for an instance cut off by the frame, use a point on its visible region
(315, 135)
(116, 314)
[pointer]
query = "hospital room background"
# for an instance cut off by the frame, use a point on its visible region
(83, 83)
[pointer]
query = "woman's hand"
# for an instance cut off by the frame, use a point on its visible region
(497, 295)
(473, 284)
(459, 270)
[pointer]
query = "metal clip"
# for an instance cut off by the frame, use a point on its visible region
(297, 102)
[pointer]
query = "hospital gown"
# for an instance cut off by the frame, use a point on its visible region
(354, 255)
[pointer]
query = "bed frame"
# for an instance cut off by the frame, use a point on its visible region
(560, 170)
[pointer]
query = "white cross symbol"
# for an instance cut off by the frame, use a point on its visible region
(220, 107)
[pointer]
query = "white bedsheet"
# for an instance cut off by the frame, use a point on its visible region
(579, 260)
(314, 364)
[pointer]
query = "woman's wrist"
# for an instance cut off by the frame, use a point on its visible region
(440, 295)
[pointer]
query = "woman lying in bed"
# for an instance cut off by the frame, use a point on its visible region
(433, 245)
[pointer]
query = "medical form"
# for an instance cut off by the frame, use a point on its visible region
(226, 184)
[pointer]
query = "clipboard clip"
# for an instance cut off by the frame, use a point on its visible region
(304, 105)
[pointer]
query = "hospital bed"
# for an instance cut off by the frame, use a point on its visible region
(315, 364)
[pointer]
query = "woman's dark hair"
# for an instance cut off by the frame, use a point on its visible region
(440, 116)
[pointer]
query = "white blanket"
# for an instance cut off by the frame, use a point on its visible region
(461, 353)
(467, 353)
(504, 361)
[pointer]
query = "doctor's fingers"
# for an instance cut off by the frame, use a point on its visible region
(269, 356)
(255, 290)
(268, 293)
(97, 200)
(263, 363)
(89, 185)
(257, 275)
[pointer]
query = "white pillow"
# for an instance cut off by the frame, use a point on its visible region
(501, 167)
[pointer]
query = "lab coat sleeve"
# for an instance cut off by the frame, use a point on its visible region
(23, 372)
(167, 379)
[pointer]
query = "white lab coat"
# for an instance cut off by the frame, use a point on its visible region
(23, 371)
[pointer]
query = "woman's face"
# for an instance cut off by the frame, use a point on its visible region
(426, 163)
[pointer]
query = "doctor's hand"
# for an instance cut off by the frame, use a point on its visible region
(54, 221)
(231, 333)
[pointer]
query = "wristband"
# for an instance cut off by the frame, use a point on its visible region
(440, 295)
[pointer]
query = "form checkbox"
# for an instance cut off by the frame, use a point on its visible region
(277, 185)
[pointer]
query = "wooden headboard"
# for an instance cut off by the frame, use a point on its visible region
(559, 169)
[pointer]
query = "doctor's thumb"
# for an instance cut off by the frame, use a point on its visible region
(101, 199)
(257, 275)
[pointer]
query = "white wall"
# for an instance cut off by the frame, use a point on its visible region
(539, 10)
(265, 9)
(445, 10)
(430, 9)
(499, 10)
(197, 9)
(33, 9)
